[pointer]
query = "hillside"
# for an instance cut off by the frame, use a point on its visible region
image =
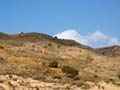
(31, 54)
(109, 51)
(43, 37)
(34, 37)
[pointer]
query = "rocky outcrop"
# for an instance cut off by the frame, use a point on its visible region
(13, 82)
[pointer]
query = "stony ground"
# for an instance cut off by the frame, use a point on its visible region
(13, 82)
(29, 55)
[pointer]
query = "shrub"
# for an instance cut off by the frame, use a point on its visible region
(70, 71)
(58, 46)
(1, 59)
(45, 46)
(1, 47)
(49, 44)
(118, 76)
(21, 33)
(57, 77)
(56, 37)
(53, 64)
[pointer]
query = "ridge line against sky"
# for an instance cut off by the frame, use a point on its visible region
(89, 18)
(95, 39)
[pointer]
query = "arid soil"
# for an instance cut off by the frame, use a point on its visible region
(28, 56)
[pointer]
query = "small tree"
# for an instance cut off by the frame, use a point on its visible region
(56, 37)
(22, 33)
(50, 44)
(70, 71)
(53, 64)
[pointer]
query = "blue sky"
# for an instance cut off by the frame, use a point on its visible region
(56, 16)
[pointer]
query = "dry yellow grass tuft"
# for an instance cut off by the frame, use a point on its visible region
(26, 60)
(56, 70)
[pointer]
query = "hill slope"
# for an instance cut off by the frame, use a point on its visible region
(29, 55)
(109, 51)
(34, 37)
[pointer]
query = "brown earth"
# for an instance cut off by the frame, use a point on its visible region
(29, 55)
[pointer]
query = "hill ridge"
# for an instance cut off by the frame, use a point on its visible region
(36, 37)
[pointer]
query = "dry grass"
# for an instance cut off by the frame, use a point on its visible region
(56, 70)
(26, 60)
(88, 63)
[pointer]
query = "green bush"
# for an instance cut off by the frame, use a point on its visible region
(53, 64)
(50, 44)
(57, 77)
(70, 70)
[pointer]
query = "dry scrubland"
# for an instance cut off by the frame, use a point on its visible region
(54, 64)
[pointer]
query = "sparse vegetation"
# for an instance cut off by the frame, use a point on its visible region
(44, 59)
(45, 46)
(118, 75)
(22, 33)
(49, 44)
(53, 64)
(70, 71)
(58, 46)
(89, 57)
(1, 59)
(1, 47)
(56, 37)
(57, 77)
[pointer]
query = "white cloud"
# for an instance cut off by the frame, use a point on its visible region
(98, 36)
(113, 41)
(95, 39)
(74, 35)
(69, 34)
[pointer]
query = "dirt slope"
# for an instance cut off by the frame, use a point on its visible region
(29, 55)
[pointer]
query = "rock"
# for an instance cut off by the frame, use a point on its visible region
(14, 77)
(4, 87)
(13, 84)
(2, 78)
